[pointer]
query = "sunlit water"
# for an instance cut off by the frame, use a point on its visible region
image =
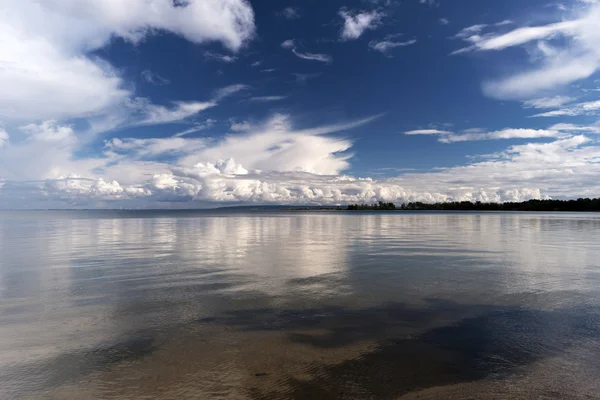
(317, 305)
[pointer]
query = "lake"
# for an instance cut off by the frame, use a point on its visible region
(299, 305)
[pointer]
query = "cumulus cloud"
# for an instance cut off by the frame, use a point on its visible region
(356, 23)
(47, 72)
(274, 162)
(574, 57)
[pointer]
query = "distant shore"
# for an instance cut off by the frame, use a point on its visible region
(579, 205)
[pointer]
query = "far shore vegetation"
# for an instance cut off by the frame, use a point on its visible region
(530, 205)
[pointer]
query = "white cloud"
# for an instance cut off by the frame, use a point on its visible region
(267, 98)
(587, 108)
(290, 13)
(469, 135)
(291, 44)
(355, 24)
(230, 90)
(576, 128)
(574, 57)
(385, 46)
(560, 168)
(49, 131)
(196, 128)
(548, 102)
(46, 71)
(427, 132)
(288, 44)
(214, 56)
(325, 58)
(240, 126)
(444, 21)
(281, 165)
(3, 138)
(155, 114)
(153, 78)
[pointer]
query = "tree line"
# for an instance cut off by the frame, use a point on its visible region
(581, 204)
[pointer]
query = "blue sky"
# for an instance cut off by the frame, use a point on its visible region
(177, 104)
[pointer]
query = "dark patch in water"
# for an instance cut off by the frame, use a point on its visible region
(493, 345)
(70, 367)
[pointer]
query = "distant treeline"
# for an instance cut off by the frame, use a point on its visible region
(530, 205)
(379, 206)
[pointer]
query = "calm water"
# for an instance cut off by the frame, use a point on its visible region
(299, 305)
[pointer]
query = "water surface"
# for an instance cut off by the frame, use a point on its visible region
(315, 305)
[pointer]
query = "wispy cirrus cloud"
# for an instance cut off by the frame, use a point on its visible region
(471, 135)
(230, 90)
(154, 78)
(267, 98)
(386, 46)
(291, 44)
(586, 108)
(548, 102)
(214, 56)
(574, 57)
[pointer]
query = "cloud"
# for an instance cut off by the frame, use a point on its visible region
(155, 114)
(534, 170)
(256, 64)
(291, 44)
(303, 78)
(3, 138)
(267, 98)
(385, 46)
(47, 72)
(230, 90)
(200, 126)
(427, 132)
(153, 78)
(547, 102)
(572, 56)
(240, 126)
(325, 58)
(213, 56)
(508, 133)
(290, 13)
(275, 163)
(355, 24)
(563, 127)
(444, 21)
(288, 44)
(586, 108)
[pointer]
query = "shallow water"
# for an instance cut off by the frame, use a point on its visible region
(316, 305)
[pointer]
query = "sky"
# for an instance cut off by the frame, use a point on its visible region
(206, 103)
